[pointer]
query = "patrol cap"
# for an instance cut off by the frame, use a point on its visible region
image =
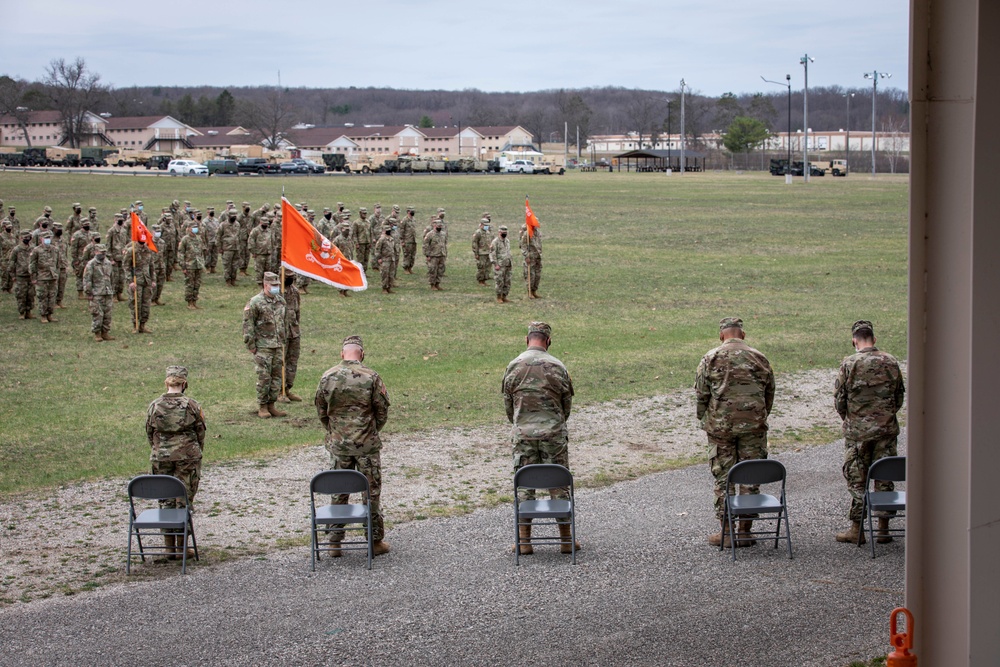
(177, 372)
(176, 203)
(229, 201)
(186, 202)
(138, 201)
(503, 228)
(861, 325)
(270, 277)
(47, 209)
(387, 225)
(246, 203)
(730, 323)
(92, 209)
(344, 225)
(485, 220)
(232, 215)
(395, 207)
(378, 205)
(168, 216)
(26, 234)
(266, 206)
(45, 235)
(346, 211)
(340, 204)
(440, 210)
(486, 214)
(354, 340)
(77, 205)
(100, 247)
(408, 209)
(12, 208)
(540, 328)
(164, 209)
(326, 209)
(362, 210)
(311, 212)
(210, 208)
(57, 226)
(119, 216)
(155, 228)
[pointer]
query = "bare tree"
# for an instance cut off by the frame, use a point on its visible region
(14, 103)
(644, 113)
(73, 90)
(270, 119)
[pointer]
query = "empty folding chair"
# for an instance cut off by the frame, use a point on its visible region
(338, 518)
(175, 523)
(889, 504)
(756, 506)
(547, 512)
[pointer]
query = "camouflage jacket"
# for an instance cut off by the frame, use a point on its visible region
(532, 246)
(191, 252)
(481, 242)
(361, 231)
(169, 233)
(500, 252)
(79, 242)
(328, 228)
(353, 404)
(89, 252)
(141, 273)
(7, 243)
(18, 263)
(292, 308)
(385, 250)
(73, 223)
(734, 389)
(868, 393)
(15, 222)
(45, 262)
(407, 232)
(175, 428)
(97, 278)
(229, 235)
(435, 244)
(259, 241)
(346, 245)
(246, 223)
(537, 395)
(117, 237)
(211, 225)
(61, 247)
(264, 321)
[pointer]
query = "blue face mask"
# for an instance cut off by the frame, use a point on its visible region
(486, 228)
(274, 289)
(47, 241)
(194, 229)
(140, 207)
(157, 235)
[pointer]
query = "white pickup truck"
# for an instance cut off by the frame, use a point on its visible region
(520, 167)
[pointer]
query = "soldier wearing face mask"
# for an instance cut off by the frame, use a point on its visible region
(8, 241)
(98, 288)
(264, 334)
(18, 267)
(60, 244)
(118, 237)
(191, 255)
(481, 239)
(259, 245)
(44, 264)
(435, 251)
(499, 257)
(77, 244)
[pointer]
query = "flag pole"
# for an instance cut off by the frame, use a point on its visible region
(135, 295)
(527, 249)
(284, 389)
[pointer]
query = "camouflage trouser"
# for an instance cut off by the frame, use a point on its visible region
(78, 270)
(192, 285)
(117, 279)
(160, 276)
(501, 280)
(386, 269)
(409, 255)
(269, 364)
(371, 467)
(858, 457)
(361, 256)
(435, 269)
(724, 453)
(169, 259)
(45, 293)
(303, 282)
(292, 348)
(144, 292)
(186, 470)
(244, 253)
(7, 278)
(100, 313)
(230, 264)
(25, 294)
(528, 452)
(61, 289)
(533, 268)
(212, 255)
(482, 267)
(395, 267)
(261, 265)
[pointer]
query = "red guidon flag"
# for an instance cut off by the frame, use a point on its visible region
(307, 252)
(140, 233)
(529, 219)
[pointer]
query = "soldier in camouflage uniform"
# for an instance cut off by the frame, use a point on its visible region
(481, 240)
(259, 245)
(117, 238)
(15, 222)
(74, 221)
(868, 393)
(158, 260)
(45, 218)
(345, 244)
(140, 212)
(384, 257)
(353, 405)
(59, 242)
(435, 248)
(327, 226)
(538, 397)
(8, 241)
(376, 221)
(499, 257)
(531, 254)
(275, 262)
(293, 342)
(191, 255)
(408, 239)
(137, 263)
(168, 230)
(229, 242)
(264, 334)
(18, 267)
(175, 428)
(246, 220)
(77, 244)
(734, 389)
(99, 289)
(43, 224)
(91, 250)
(361, 231)
(211, 227)
(44, 264)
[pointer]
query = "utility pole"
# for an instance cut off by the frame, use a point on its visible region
(847, 158)
(874, 76)
(683, 142)
(805, 60)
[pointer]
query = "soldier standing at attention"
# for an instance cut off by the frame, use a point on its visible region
(191, 255)
(15, 222)
(99, 288)
(293, 342)
(345, 244)
(158, 261)
(137, 261)
(117, 238)
(531, 252)
(45, 217)
(8, 241)
(481, 240)
(44, 264)
(229, 241)
(868, 393)
(408, 239)
(43, 224)
(18, 266)
(538, 397)
(499, 257)
(376, 221)
(211, 227)
(353, 405)
(734, 389)
(361, 230)
(175, 428)
(168, 230)
(435, 250)
(264, 334)
(384, 257)
(259, 244)
(245, 218)
(139, 212)
(60, 244)
(74, 220)
(77, 244)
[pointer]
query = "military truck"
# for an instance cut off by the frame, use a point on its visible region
(336, 162)
(96, 157)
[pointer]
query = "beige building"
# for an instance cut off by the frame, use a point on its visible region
(482, 142)
(45, 128)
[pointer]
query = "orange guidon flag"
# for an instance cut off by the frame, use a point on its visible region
(529, 219)
(307, 252)
(140, 233)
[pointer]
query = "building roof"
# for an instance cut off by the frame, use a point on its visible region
(236, 130)
(375, 131)
(661, 155)
(34, 117)
(495, 130)
(314, 136)
(438, 131)
(131, 122)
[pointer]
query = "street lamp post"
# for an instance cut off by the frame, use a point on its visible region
(670, 142)
(847, 158)
(874, 76)
(788, 135)
(683, 141)
(805, 60)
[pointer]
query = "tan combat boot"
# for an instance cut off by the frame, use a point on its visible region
(721, 537)
(524, 537)
(107, 336)
(745, 527)
(283, 399)
(98, 338)
(850, 536)
(44, 320)
(499, 299)
(191, 306)
(171, 547)
(52, 319)
(883, 531)
(506, 300)
(293, 397)
(335, 549)
(566, 536)
(263, 412)
(380, 547)
(275, 412)
(80, 296)
(144, 329)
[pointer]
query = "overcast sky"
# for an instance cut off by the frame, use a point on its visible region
(519, 45)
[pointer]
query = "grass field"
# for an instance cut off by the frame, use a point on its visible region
(638, 269)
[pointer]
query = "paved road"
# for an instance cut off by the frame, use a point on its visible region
(647, 590)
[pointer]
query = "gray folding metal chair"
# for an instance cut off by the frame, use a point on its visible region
(160, 521)
(889, 504)
(756, 506)
(541, 477)
(336, 518)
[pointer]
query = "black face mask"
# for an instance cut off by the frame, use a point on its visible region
(86, 228)
(438, 228)
(58, 233)
(120, 223)
(198, 218)
(45, 225)
(503, 236)
(25, 241)
(263, 226)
